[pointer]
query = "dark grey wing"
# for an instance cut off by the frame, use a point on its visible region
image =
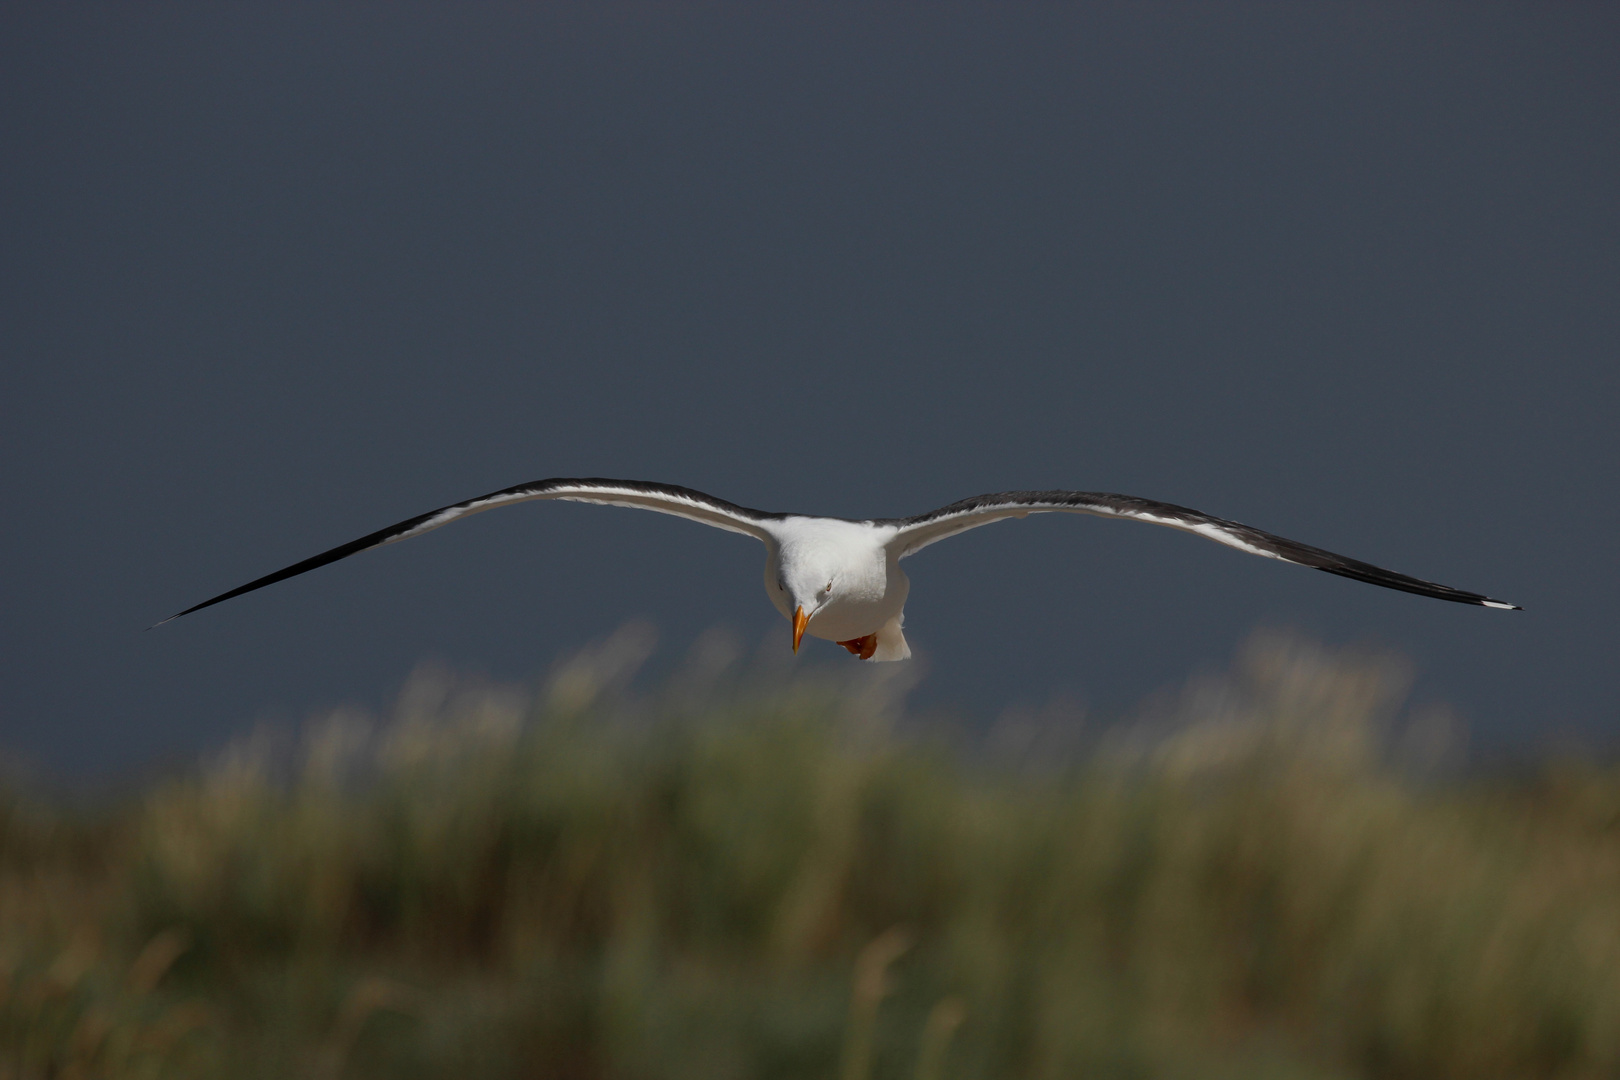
(915, 533)
(643, 495)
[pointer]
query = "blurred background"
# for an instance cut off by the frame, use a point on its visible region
(1275, 871)
(272, 278)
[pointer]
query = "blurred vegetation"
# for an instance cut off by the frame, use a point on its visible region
(1267, 875)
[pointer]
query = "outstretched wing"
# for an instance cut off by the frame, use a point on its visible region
(664, 498)
(915, 533)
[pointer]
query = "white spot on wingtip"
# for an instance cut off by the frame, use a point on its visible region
(1504, 607)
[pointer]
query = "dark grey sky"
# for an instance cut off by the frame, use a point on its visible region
(274, 277)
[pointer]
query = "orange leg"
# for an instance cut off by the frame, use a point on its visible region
(862, 647)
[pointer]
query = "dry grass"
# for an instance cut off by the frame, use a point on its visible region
(728, 881)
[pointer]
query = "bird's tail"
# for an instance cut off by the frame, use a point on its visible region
(891, 641)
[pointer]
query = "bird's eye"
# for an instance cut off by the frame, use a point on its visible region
(828, 588)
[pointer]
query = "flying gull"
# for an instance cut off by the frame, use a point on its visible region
(840, 579)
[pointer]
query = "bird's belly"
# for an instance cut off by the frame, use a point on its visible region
(853, 619)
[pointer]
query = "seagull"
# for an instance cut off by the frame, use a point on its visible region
(840, 579)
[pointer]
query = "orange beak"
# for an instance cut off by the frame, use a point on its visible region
(800, 621)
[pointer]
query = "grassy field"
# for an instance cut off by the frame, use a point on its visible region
(740, 876)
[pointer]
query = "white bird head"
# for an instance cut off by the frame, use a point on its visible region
(811, 582)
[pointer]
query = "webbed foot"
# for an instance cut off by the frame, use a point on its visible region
(862, 647)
